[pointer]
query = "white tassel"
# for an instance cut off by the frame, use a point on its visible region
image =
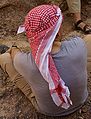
(21, 29)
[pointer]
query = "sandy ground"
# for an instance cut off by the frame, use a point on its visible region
(13, 103)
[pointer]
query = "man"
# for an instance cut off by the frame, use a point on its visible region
(75, 8)
(50, 70)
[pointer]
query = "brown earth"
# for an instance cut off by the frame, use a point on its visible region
(13, 103)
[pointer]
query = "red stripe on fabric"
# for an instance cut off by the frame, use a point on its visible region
(53, 71)
(56, 79)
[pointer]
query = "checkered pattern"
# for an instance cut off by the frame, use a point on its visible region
(40, 24)
(37, 22)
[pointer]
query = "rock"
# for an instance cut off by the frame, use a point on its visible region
(17, 3)
(3, 49)
(80, 111)
(4, 3)
(84, 110)
(80, 117)
(19, 111)
(1, 83)
(2, 91)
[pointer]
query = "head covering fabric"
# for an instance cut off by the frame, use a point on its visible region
(42, 24)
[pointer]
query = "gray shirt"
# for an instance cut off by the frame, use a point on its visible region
(71, 63)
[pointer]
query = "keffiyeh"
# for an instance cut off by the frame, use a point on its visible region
(42, 24)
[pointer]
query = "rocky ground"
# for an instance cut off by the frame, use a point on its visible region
(13, 103)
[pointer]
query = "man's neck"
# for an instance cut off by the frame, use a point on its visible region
(56, 47)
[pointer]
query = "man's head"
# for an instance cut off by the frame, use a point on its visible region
(40, 19)
(42, 24)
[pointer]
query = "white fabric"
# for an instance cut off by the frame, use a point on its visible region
(43, 66)
(21, 29)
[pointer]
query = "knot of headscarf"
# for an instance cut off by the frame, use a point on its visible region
(42, 24)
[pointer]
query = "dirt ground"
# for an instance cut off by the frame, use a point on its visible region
(13, 103)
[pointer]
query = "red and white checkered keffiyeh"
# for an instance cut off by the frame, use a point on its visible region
(42, 25)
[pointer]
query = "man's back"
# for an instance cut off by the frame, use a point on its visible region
(71, 63)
